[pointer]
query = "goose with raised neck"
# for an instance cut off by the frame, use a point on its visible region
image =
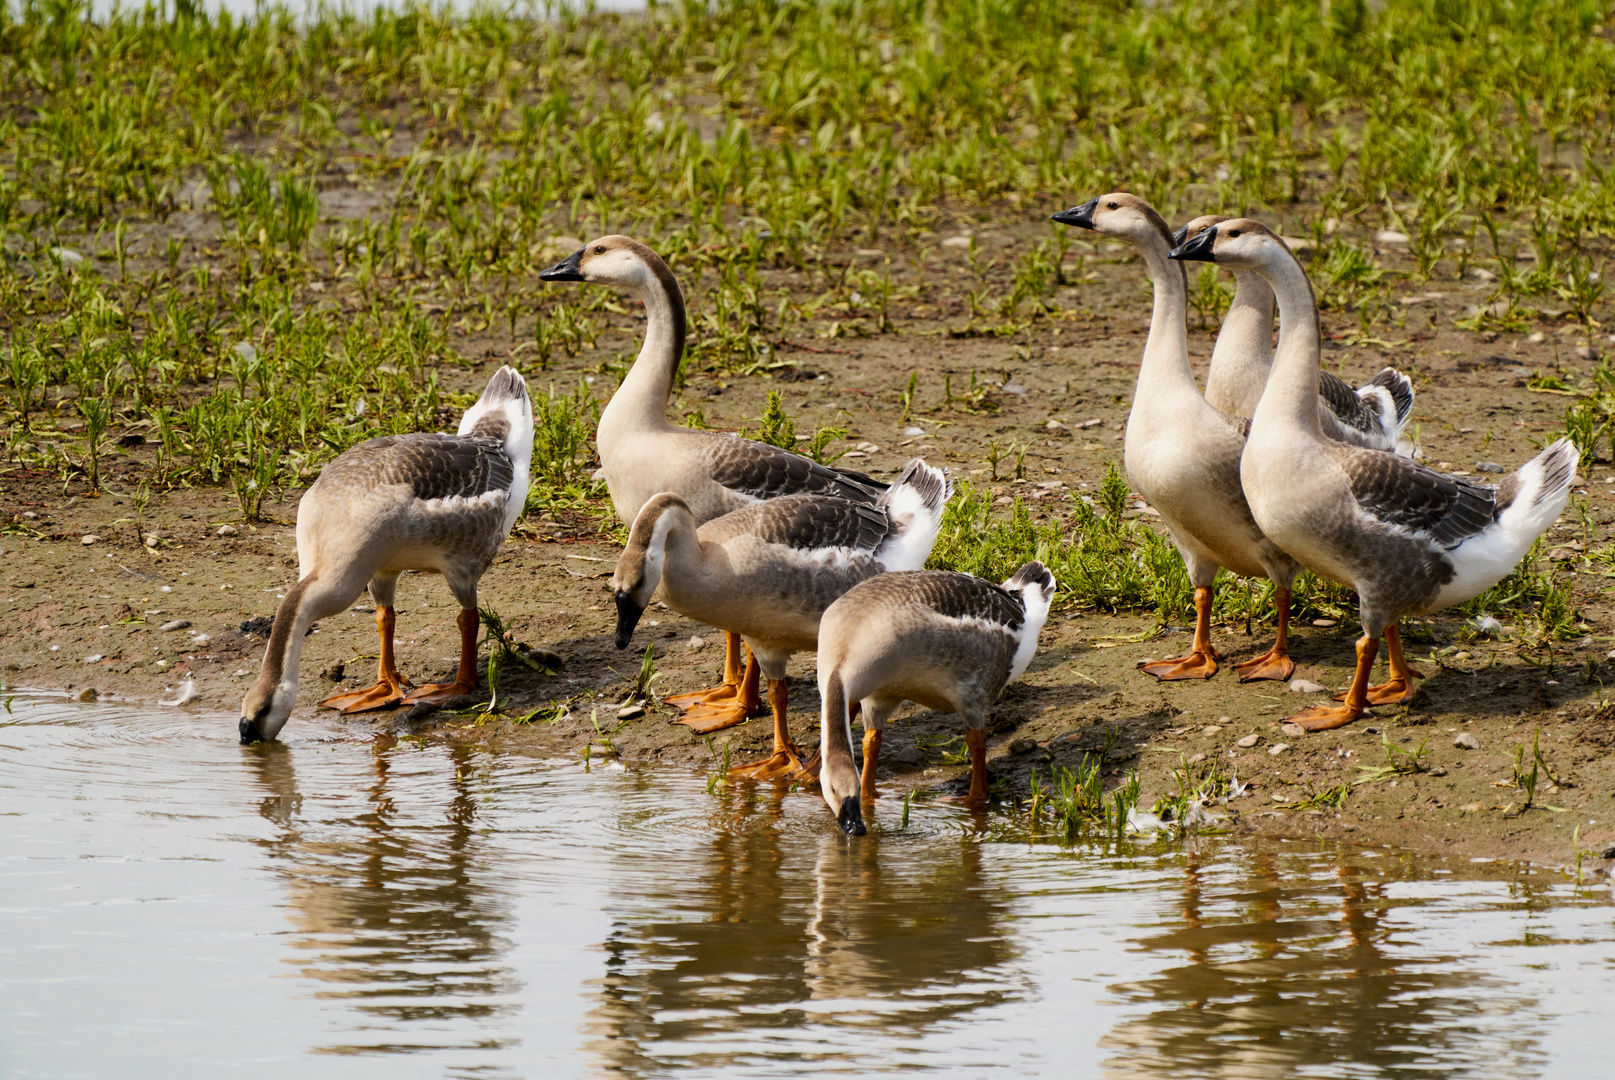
(945, 640)
(769, 571)
(642, 454)
(1371, 416)
(1408, 539)
(435, 504)
(1182, 455)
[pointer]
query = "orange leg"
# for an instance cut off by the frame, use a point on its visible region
(465, 680)
(1202, 662)
(787, 759)
(977, 741)
(871, 761)
(705, 717)
(1355, 701)
(390, 686)
(1275, 663)
(1399, 687)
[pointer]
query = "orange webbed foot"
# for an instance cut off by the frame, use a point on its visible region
(705, 719)
(438, 693)
(1270, 665)
(379, 696)
(1197, 665)
(782, 764)
(1325, 717)
(722, 694)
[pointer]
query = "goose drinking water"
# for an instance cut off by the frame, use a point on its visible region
(435, 504)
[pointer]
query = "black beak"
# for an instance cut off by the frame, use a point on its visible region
(628, 614)
(566, 269)
(852, 817)
(1198, 249)
(1079, 216)
(250, 732)
(1177, 237)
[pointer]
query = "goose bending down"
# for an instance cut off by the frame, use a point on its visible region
(714, 474)
(1183, 455)
(435, 504)
(945, 640)
(1372, 416)
(767, 573)
(1408, 539)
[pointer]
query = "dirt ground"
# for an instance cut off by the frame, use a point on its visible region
(88, 607)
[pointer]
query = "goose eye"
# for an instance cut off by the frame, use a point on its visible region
(600, 250)
(1234, 233)
(1111, 206)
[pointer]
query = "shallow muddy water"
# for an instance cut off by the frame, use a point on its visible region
(173, 904)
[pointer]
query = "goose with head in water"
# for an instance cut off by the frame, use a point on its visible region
(642, 454)
(1183, 455)
(1408, 539)
(945, 640)
(435, 504)
(1372, 416)
(767, 572)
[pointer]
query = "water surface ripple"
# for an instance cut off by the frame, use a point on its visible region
(173, 904)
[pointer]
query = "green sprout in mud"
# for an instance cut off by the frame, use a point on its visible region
(1398, 762)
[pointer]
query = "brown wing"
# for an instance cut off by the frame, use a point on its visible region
(1402, 493)
(767, 472)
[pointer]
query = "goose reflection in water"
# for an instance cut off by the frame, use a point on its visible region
(391, 909)
(1291, 975)
(787, 936)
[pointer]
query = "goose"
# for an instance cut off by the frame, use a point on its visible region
(1408, 539)
(642, 455)
(767, 572)
(945, 640)
(1371, 416)
(432, 503)
(1183, 455)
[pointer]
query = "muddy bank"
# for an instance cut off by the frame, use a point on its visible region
(112, 614)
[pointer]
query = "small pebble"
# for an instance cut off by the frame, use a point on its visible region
(1390, 236)
(1325, 622)
(89, 539)
(697, 642)
(629, 712)
(1471, 808)
(1197, 759)
(1293, 730)
(1488, 466)
(913, 431)
(1302, 686)
(1210, 731)
(1249, 740)
(1466, 741)
(1022, 746)
(174, 624)
(96, 659)
(86, 694)
(1438, 770)
(1278, 748)
(227, 530)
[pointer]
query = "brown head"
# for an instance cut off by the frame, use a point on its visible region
(627, 264)
(1238, 243)
(1196, 227)
(1119, 214)
(639, 569)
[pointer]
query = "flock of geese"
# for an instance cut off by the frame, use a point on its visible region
(1276, 467)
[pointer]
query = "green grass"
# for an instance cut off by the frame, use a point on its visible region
(258, 241)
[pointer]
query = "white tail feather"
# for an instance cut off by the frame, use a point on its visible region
(1541, 489)
(914, 503)
(1036, 586)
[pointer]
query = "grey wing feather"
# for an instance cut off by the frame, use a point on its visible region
(811, 522)
(767, 472)
(432, 466)
(1343, 401)
(1407, 495)
(962, 596)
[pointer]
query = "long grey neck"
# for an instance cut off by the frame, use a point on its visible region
(1291, 397)
(284, 653)
(1165, 365)
(641, 401)
(686, 571)
(1243, 354)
